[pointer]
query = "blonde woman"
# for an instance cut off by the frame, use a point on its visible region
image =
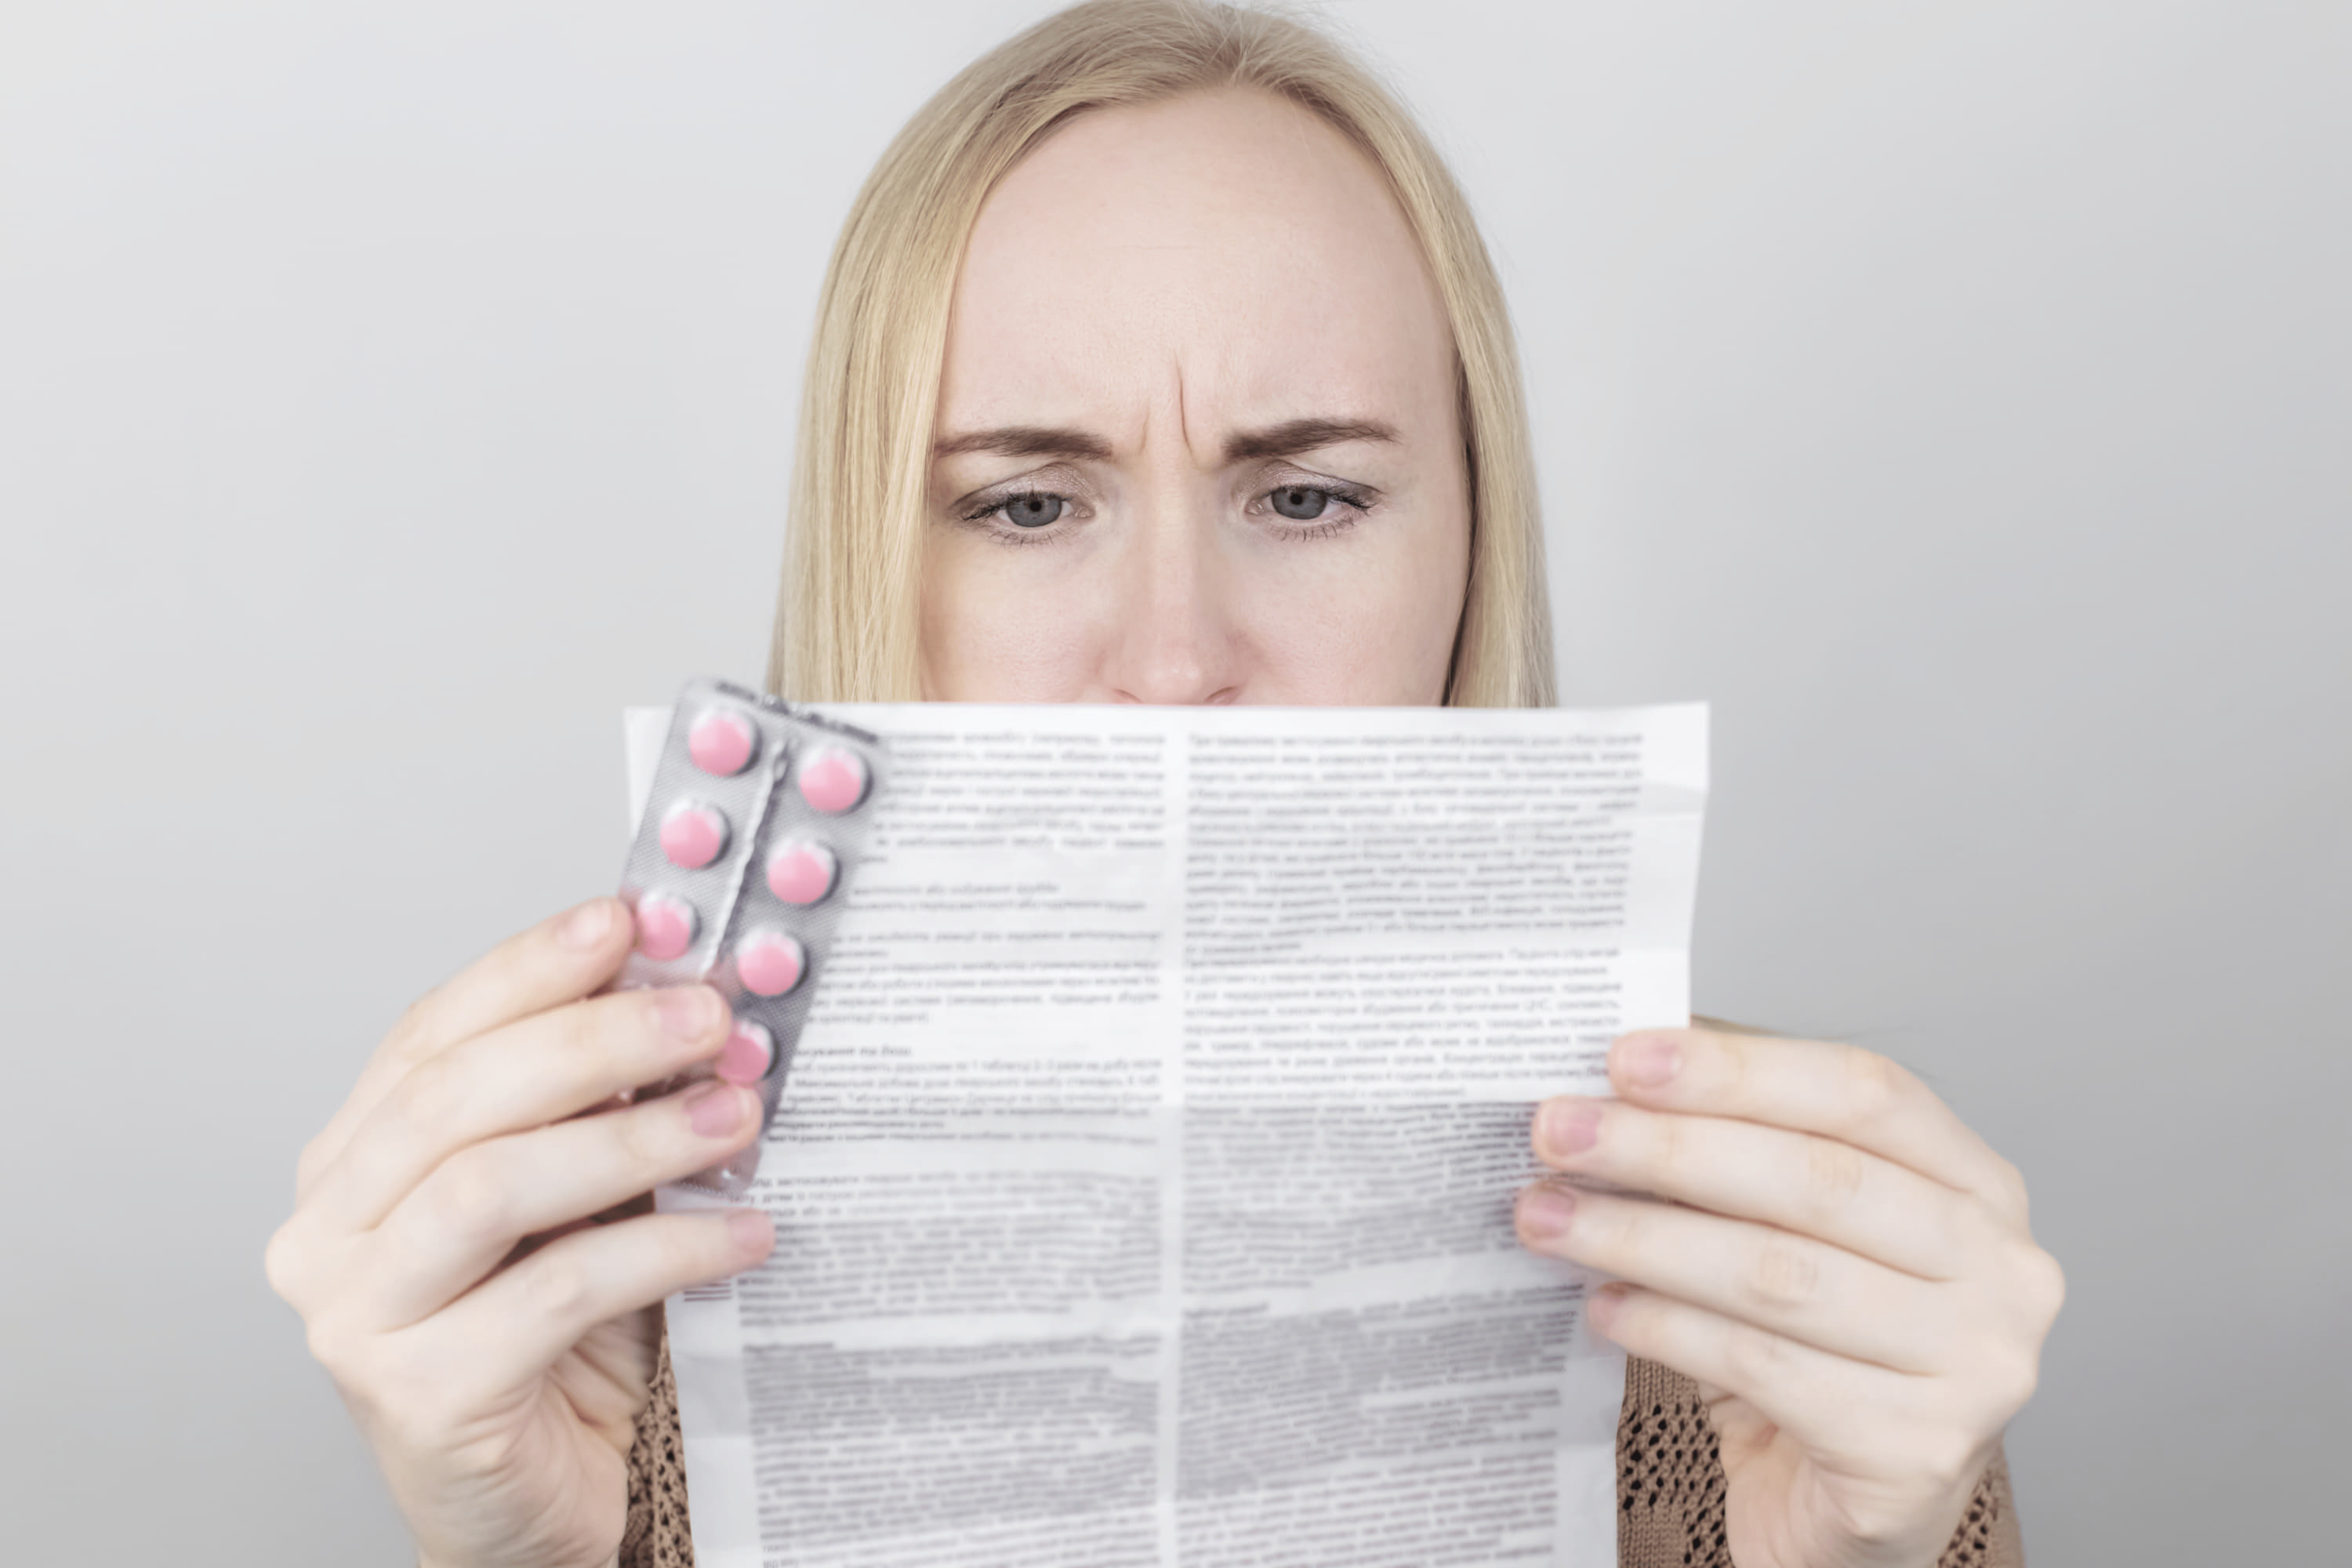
(1160, 360)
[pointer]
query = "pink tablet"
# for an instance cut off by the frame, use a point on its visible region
(833, 780)
(746, 1056)
(769, 963)
(666, 926)
(693, 835)
(800, 871)
(722, 742)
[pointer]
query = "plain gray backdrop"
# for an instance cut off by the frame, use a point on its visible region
(1958, 395)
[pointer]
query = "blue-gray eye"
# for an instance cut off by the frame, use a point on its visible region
(1299, 503)
(1032, 511)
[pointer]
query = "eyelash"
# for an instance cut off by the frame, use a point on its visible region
(1016, 537)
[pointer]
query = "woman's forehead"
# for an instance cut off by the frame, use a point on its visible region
(1227, 257)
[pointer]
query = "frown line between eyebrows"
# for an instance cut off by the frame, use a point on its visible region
(1285, 439)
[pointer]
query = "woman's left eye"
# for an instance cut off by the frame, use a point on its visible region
(1033, 510)
(1301, 503)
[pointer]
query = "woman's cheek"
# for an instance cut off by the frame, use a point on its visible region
(1002, 631)
(1360, 619)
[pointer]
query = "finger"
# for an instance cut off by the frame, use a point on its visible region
(1791, 1285)
(472, 1211)
(1807, 1392)
(1840, 1091)
(1799, 1182)
(538, 1069)
(557, 961)
(515, 1325)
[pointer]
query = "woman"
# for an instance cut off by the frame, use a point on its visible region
(1160, 361)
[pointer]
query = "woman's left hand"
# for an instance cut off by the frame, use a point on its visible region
(1845, 1269)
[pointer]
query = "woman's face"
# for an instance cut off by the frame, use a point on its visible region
(1197, 435)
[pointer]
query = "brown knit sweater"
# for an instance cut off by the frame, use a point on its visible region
(1670, 1484)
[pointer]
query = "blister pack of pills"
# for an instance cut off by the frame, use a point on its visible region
(751, 834)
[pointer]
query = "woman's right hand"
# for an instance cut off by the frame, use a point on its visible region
(494, 1339)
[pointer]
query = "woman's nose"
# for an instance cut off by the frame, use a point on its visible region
(1176, 638)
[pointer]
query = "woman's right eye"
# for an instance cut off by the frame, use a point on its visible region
(1021, 517)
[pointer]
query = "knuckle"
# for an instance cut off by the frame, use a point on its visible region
(1666, 1148)
(1950, 1460)
(1877, 1525)
(1783, 1275)
(1757, 1358)
(613, 1039)
(1949, 1233)
(1874, 1084)
(1735, 1061)
(1835, 1175)
(642, 1135)
(471, 1199)
(430, 1098)
(1619, 1228)
(2013, 1382)
(308, 1164)
(1978, 1231)
(2010, 1187)
(410, 1034)
(374, 1163)
(329, 1346)
(281, 1262)
(2054, 1283)
(2042, 1286)
(558, 1285)
(1879, 1522)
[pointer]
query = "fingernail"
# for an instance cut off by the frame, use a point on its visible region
(1568, 1127)
(751, 1231)
(1652, 1062)
(586, 926)
(687, 1013)
(1544, 1213)
(1602, 1307)
(744, 1057)
(715, 1110)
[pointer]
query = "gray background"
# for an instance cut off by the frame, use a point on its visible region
(390, 392)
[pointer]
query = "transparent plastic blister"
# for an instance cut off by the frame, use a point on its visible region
(754, 828)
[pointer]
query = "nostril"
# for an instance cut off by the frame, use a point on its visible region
(1223, 697)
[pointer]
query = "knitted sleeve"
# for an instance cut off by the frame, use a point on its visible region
(1670, 1484)
(655, 1535)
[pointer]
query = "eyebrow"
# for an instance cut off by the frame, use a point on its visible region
(1295, 435)
(1285, 439)
(1028, 441)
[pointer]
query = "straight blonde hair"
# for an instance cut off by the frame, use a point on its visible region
(846, 617)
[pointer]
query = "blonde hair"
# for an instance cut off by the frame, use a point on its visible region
(846, 617)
